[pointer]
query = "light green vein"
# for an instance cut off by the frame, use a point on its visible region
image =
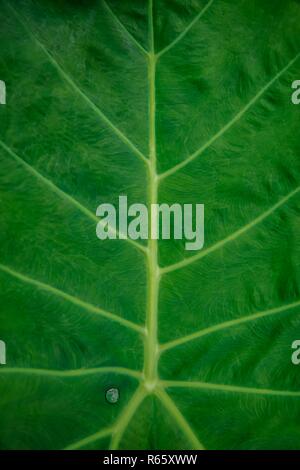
(232, 237)
(76, 88)
(116, 19)
(117, 430)
(74, 300)
(126, 417)
(90, 439)
(153, 276)
(70, 373)
(179, 418)
(227, 324)
(224, 129)
(186, 30)
(229, 388)
(62, 194)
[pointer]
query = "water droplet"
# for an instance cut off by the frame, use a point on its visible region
(112, 395)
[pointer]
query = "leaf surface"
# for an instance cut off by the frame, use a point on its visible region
(162, 101)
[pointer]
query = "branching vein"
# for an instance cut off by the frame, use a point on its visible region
(187, 29)
(229, 388)
(123, 28)
(233, 121)
(227, 324)
(75, 87)
(65, 195)
(74, 300)
(126, 417)
(179, 418)
(70, 373)
(90, 439)
(149, 377)
(232, 237)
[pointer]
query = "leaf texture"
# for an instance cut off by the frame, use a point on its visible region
(162, 101)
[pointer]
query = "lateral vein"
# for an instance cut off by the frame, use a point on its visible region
(227, 324)
(71, 372)
(230, 238)
(74, 300)
(78, 90)
(224, 129)
(126, 416)
(65, 195)
(90, 439)
(123, 27)
(186, 30)
(228, 388)
(179, 418)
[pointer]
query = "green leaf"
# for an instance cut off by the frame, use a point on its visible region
(162, 101)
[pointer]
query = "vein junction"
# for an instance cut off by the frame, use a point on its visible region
(149, 381)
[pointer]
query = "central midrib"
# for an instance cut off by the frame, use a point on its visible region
(151, 346)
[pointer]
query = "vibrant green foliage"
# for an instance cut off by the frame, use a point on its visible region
(103, 96)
